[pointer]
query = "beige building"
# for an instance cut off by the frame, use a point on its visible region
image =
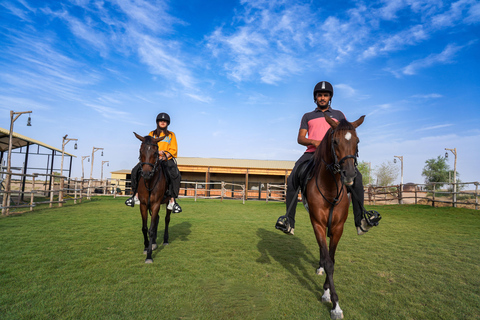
(255, 174)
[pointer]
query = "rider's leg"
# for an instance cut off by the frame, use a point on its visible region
(357, 207)
(362, 225)
(134, 183)
(174, 178)
(287, 223)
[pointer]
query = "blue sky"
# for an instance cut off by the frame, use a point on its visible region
(237, 76)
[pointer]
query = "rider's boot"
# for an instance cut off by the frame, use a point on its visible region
(284, 225)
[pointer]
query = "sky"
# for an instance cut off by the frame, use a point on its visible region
(237, 76)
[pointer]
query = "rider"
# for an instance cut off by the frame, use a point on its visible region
(315, 126)
(167, 151)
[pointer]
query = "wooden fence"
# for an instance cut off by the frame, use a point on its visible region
(38, 190)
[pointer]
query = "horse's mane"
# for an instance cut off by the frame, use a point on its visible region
(344, 125)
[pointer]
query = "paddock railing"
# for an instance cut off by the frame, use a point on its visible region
(31, 190)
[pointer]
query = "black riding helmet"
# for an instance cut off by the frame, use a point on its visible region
(323, 86)
(163, 117)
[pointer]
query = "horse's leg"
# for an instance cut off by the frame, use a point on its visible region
(144, 212)
(320, 235)
(151, 232)
(167, 222)
(336, 312)
(154, 244)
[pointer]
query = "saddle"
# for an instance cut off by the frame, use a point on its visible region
(305, 173)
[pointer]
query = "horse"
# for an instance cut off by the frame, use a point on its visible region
(152, 186)
(325, 197)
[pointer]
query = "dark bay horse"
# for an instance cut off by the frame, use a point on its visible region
(151, 190)
(326, 198)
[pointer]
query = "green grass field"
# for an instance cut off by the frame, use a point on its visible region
(226, 261)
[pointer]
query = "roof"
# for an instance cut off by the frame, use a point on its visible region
(229, 163)
(19, 141)
(236, 163)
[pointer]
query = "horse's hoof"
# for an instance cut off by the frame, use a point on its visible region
(148, 260)
(154, 246)
(326, 296)
(166, 243)
(336, 313)
(320, 271)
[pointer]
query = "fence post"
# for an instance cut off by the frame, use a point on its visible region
(32, 195)
(223, 186)
(52, 187)
(433, 199)
(476, 195)
(416, 187)
(60, 192)
(195, 195)
(268, 192)
(243, 193)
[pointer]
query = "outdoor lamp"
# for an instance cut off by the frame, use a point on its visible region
(75, 146)
(29, 121)
(394, 160)
(102, 154)
(446, 155)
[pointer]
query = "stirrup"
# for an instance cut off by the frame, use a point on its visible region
(283, 225)
(130, 202)
(176, 208)
(372, 217)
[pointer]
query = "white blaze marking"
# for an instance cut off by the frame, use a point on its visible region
(348, 136)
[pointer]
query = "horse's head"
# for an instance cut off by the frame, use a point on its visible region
(149, 155)
(344, 144)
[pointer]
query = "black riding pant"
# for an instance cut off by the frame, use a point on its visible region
(172, 174)
(293, 184)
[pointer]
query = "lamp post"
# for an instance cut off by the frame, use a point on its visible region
(103, 162)
(83, 158)
(401, 179)
(6, 195)
(64, 142)
(93, 153)
(454, 151)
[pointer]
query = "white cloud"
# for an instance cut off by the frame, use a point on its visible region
(445, 57)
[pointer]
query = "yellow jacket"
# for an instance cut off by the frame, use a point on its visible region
(168, 144)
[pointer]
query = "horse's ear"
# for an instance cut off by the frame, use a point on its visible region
(358, 122)
(139, 137)
(330, 121)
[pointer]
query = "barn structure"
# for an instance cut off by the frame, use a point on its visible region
(25, 149)
(254, 174)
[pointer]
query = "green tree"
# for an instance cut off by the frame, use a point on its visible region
(365, 170)
(436, 170)
(386, 173)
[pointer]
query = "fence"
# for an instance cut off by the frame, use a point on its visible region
(463, 194)
(29, 191)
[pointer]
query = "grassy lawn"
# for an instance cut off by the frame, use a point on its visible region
(226, 261)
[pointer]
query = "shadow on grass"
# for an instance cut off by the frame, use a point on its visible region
(177, 232)
(293, 255)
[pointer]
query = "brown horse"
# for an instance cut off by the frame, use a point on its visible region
(326, 199)
(151, 190)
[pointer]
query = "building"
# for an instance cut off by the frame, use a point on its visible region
(254, 174)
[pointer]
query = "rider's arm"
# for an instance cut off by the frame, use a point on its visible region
(304, 141)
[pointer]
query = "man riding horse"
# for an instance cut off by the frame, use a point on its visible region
(312, 130)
